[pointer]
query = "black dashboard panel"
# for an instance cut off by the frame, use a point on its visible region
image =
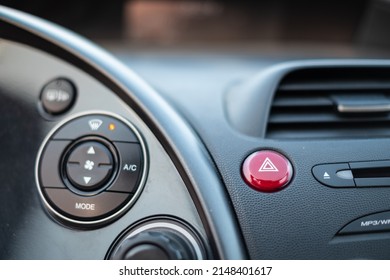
(302, 221)
(208, 115)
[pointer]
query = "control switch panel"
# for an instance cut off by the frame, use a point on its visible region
(91, 169)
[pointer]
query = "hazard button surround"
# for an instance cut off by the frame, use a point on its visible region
(267, 171)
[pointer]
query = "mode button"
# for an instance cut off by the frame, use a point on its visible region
(90, 207)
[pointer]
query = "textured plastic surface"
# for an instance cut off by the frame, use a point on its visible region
(302, 220)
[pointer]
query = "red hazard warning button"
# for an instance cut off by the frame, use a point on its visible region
(267, 171)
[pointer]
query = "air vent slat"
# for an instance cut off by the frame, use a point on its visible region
(375, 85)
(326, 134)
(318, 118)
(302, 102)
(305, 104)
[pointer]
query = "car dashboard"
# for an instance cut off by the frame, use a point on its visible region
(224, 153)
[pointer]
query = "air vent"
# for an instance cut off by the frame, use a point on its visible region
(331, 103)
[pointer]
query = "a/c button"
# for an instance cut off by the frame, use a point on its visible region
(130, 168)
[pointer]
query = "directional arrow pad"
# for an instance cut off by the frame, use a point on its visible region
(89, 165)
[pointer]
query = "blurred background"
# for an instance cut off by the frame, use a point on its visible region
(202, 48)
(343, 26)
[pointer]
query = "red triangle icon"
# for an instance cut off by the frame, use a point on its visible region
(268, 166)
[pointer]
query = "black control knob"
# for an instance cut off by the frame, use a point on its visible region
(158, 244)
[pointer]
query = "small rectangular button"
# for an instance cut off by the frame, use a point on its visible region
(86, 207)
(327, 174)
(49, 169)
(100, 125)
(130, 168)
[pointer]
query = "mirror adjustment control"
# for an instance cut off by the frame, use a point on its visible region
(58, 96)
